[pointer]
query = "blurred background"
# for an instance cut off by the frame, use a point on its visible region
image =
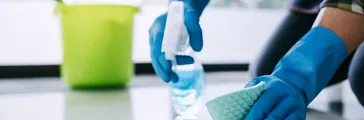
(234, 33)
(30, 32)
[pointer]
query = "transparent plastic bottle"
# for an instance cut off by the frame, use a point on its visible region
(187, 91)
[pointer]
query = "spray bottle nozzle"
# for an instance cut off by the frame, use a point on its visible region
(174, 30)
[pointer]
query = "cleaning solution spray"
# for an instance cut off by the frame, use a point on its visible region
(187, 91)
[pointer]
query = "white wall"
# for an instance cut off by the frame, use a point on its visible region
(30, 35)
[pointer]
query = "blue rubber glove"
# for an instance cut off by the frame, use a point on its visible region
(193, 9)
(299, 76)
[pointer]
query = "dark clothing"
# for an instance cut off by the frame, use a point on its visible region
(311, 5)
(355, 6)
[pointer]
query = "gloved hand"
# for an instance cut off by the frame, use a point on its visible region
(279, 101)
(299, 76)
(162, 67)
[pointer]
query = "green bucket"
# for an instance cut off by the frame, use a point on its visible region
(97, 45)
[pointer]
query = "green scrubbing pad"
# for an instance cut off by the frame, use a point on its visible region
(236, 105)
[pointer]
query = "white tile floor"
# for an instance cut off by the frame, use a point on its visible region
(140, 102)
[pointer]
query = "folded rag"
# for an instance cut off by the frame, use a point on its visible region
(236, 105)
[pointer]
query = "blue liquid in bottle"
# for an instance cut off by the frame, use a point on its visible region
(187, 92)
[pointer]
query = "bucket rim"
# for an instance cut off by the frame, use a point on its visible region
(98, 5)
(62, 7)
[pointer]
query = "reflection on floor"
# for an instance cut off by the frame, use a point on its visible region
(146, 99)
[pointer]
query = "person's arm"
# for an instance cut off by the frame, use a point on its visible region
(349, 26)
(309, 65)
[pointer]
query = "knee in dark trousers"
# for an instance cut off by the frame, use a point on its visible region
(292, 28)
(356, 74)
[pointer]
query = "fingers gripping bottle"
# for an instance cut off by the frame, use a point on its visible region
(187, 91)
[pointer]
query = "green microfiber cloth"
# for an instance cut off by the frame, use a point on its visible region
(236, 105)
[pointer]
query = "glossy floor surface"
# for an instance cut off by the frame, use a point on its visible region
(147, 98)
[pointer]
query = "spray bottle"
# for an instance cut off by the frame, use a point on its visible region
(187, 91)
